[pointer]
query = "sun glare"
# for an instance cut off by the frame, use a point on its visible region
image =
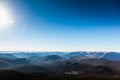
(5, 17)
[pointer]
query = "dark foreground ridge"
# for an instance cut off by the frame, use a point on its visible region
(14, 75)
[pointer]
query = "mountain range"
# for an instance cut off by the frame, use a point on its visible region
(45, 64)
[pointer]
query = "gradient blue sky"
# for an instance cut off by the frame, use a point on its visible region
(62, 25)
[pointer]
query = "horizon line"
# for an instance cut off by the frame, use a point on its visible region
(56, 51)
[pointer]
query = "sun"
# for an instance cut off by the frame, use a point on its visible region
(5, 17)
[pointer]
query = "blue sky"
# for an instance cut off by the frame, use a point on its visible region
(62, 25)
